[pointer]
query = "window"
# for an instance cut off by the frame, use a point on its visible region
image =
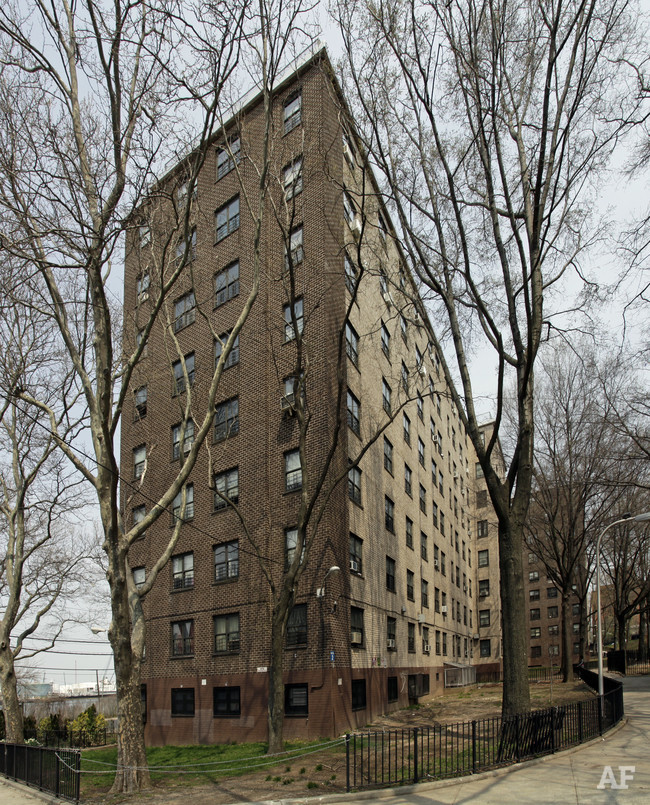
(535, 651)
(554, 651)
(183, 571)
(438, 641)
(189, 505)
(292, 115)
(294, 252)
(444, 644)
(533, 575)
(228, 156)
(140, 398)
(182, 701)
(406, 423)
(388, 456)
(138, 514)
(478, 470)
(186, 251)
(410, 632)
(354, 485)
(182, 638)
(385, 396)
(533, 595)
(350, 275)
(293, 320)
(436, 599)
(233, 355)
(443, 563)
(226, 284)
(383, 230)
(179, 373)
(402, 327)
(483, 558)
(352, 344)
(356, 549)
(481, 499)
(227, 219)
(226, 633)
(405, 377)
(482, 528)
(349, 209)
(421, 451)
(532, 558)
(535, 632)
(226, 702)
(144, 235)
(484, 588)
(139, 337)
(139, 576)
(485, 647)
(576, 628)
(226, 419)
(484, 617)
(423, 499)
(551, 592)
(410, 582)
(552, 612)
(385, 340)
(409, 532)
(188, 439)
(425, 594)
(420, 407)
(554, 629)
(389, 514)
(356, 626)
(390, 574)
(297, 625)
(292, 471)
(434, 509)
(290, 545)
(358, 694)
(296, 702)
(407, 480)
(226, 561)
(139, 460)
(391, 633)
(535, 614)
(575, 609)
(226, 488)
(353, 413)
(424, 553)
(425, 640)
(292, 179)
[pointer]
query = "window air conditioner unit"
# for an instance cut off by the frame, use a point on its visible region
(435, 563)
(356, 638)
(354, 566)
(355, 226)
(143, 296)
(286, 402)
(483, 594)
(423, 371)
(426, 648)
(456, 476)
(421, 618)
(476, 636)
(435, 440)
(387, 298)
(390, 643)
(443, 609)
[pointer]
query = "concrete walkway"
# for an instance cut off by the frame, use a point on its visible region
(568, 778)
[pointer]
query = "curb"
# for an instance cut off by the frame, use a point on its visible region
(405, 790)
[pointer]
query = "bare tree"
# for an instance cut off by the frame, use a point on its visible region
(43, 552)
(575, 456)
(93, 99)
(488, 124)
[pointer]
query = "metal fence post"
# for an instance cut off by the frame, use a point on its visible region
(415, 755)
(553, 712)
(601, 705)
(580, 724)
(347, 762)
(473, 746)
(57, 771)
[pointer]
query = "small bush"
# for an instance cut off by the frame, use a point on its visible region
(269, 777)
(287, 781)
(319, 767)
(303, 770)
(312, 784)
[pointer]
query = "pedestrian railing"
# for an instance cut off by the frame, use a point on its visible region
(629, 662)
(56, 771)
(404, 756)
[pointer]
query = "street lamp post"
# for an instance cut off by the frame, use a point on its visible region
(638, 518)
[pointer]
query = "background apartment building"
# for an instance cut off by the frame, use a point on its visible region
(402, 523)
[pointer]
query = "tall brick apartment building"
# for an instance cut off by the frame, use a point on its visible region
(401, 525)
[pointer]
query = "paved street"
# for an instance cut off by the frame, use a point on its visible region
(568, 778)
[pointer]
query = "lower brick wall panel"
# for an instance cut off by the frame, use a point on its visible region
(330, 704)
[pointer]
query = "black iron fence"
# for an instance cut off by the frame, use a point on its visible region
(628, 662)
(56, 771)
(403, 756)
(535, 674)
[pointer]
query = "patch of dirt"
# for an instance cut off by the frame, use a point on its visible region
(324, 772)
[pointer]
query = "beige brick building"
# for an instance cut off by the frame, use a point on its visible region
(402, 525)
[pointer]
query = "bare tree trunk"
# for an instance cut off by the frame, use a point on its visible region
(513, 619)
(11, 704)
(567, 638)
(276, 681)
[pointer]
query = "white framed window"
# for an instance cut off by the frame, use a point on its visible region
(227, 218)
(292, 179)
(290, 314)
